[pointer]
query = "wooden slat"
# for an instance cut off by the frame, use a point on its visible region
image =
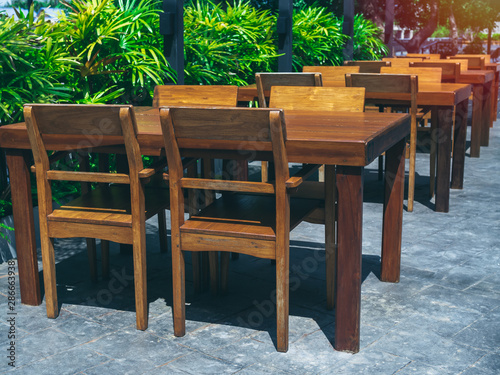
(431, 75)
(195, 95)
(339, 99)
(117, 178)
(368, 66)
(240, 186)
(332, 73)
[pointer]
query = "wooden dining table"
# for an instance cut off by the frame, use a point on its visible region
(349, 141)
(442, 98)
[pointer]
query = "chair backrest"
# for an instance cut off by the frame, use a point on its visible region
(199, 95)
(431, 56)
(450, 69)
(265, 81)
(89, 123)
(368, 66)
(335, 99)
(402, 62)
(244, 130)
(475, 62)
(487, 58)
(332, 75)
(425, 75)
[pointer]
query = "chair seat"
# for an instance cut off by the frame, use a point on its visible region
(246, 216)
(109, 205)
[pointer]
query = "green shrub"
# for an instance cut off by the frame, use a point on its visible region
(226, 46)
(317, 38)
(368, 42)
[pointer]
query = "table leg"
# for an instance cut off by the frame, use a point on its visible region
(477, 118)
(350, 227)
(445, 123)
(393, 212)
(22, 207)
(494, 97)
(460, 132)
(487, 120)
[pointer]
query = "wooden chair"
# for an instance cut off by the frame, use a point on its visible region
(264, 83)
(202, 96)
(476, 62)
(407, 85)
(195, 95)
(425, 75)
(115, 211)
(450, 70)
(368, 66)
(430, 56)
(252, 224)
(332, 75)
(402, 62)
(334, 99)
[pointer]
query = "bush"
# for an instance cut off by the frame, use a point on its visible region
(317, 38)
(227, 46)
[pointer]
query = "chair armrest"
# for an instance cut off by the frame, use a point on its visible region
(155, 168)
(301, 175)
(58, 155)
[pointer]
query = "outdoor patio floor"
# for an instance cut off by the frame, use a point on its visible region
(443, 317)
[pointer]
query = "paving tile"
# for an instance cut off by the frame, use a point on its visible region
(40, 345)
(84, 330)
(137, 345)
(310, 355)
(371, 362)
(419, 344)
(78, 357)
(199, 363)
(129, 366)
(420, 368)
(488, 365)
(259, 369)
(483, 333)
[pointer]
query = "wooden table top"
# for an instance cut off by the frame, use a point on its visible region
(476, 76)
(342, 138)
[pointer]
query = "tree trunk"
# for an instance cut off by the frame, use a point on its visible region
(489, 41)
(453, 32)
(348, 29)
(413, 45)
(389, 25)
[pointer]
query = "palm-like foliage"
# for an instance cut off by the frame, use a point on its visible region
(30, 65)
(116, 47)
(317, 38)
(226, 46)
(368, 42)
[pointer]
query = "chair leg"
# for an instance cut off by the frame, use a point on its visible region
(432, 157)
(282, 301)
(91, 253)
(321, 174)
(411, 175)
(162, 228)
(213, 257)
(140, 280)
(264, 172)
(49, 277)
(380, 167)
(105, 259)
(205, 271)
(224, 271)
(330, 237)
(179, 291)
(195, 261)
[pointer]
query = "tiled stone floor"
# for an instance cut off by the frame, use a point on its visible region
(442, 318)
